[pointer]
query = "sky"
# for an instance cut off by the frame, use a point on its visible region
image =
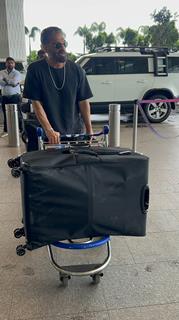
(70, 14)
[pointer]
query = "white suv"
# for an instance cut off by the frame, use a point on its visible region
(125, 74)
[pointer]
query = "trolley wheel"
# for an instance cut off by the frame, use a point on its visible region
(13, 163)
(15, 172)
(64, 279)
(20, 250)
(96, 278)
(19, 232)
(10, 163)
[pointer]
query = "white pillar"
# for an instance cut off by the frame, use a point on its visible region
(114, 125)
(12, 33)
(12, 125)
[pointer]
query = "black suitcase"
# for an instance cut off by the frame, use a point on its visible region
(77, 193)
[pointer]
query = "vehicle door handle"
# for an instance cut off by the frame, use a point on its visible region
(106, 82)
(141, 81)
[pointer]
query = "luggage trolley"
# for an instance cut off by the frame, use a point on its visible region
(93, 270)
(65, 272)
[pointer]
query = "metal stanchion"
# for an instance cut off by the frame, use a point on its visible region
(12, 125)
(114, 125)
(31, 108)
(135, 122)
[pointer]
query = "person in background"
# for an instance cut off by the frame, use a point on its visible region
(59, 89)
(10, 85)
(41, 54)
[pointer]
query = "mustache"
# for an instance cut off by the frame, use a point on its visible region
(61, 57)
(61, 52)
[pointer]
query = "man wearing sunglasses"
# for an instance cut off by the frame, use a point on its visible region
(59, 89)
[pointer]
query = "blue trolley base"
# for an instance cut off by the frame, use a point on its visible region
(93, 270)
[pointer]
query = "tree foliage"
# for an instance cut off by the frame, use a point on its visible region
(164, 31)
(32, 56)
(128, 36)
(161, 17)
(95, 36)
(72, 56)
(98, 27)
(31, 35)
(84, 33)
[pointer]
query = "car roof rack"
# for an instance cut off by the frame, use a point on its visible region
(141, 49)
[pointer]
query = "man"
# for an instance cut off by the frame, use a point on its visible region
(41, 54)
(10, 82)
(59, 89)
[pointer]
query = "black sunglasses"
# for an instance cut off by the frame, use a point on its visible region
(59, 45)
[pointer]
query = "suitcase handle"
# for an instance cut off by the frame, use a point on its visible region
(97, 152)
(145, 199)
(112, 152)
(84, 151)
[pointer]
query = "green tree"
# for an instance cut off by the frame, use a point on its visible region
(128, 36)
(161, 17)
(143, 36)
(31, 35)
(96, 41)
(177, 44)
(72, 56)
(98, 27)
(32, 56)
(100, 40)
(95, 36)
(164, 31)
(83, 32)
(110, 39)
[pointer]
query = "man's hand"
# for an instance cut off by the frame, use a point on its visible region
(90, 132)
(53, 136)
(5, 80)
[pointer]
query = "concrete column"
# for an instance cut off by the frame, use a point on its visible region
(12, 33)
(12, 125)
(114, 125)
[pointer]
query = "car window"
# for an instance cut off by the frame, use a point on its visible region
(2, 65)
(130, 65)
(97, 66)
(19, 66)
(173, 64)
(116, 65)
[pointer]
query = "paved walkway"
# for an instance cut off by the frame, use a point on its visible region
(142, 280)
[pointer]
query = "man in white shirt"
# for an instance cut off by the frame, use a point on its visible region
(10, 82)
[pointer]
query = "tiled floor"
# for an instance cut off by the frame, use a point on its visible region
(142, 280)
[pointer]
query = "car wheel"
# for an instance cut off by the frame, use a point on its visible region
(157, 111)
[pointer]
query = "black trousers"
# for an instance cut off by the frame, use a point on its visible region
(30, 130)
(14, 99)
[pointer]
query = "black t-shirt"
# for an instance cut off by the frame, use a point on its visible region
(60, 106)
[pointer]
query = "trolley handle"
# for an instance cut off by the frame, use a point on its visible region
(76, 137)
